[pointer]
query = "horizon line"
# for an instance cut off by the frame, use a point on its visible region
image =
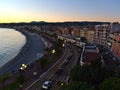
(56, 21)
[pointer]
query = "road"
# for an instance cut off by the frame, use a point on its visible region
(70, 54)
(63, 78)
(45, 76)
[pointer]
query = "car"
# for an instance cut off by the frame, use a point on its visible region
(66, 62)
(47, 85)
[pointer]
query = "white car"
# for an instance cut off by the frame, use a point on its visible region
(47, 85)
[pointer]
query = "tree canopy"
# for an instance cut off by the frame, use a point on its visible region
(93, 74)
(78, 86)
(110, 84)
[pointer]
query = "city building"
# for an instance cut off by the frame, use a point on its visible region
(76, 32)
(89, 35)
(111, 40)
(116, 45)
(115, 39)
(90, 53)
(101, 34)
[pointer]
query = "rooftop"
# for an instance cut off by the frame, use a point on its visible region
(88, 57)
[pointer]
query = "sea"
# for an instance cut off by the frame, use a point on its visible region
(11, 42)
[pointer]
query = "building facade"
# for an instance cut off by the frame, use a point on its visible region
(116, 45)
(101, 34)
(114, 39)
(89, 35)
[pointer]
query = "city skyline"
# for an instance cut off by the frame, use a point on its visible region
(59, 10)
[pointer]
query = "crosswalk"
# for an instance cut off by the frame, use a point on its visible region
(58, 78)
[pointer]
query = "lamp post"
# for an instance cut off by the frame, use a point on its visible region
(23, 67)
(63, 45)
(53, 51)
(20, 86)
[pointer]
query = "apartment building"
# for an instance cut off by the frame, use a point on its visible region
(115, 38)
(89, 35)
(116, 44)
(101, 34)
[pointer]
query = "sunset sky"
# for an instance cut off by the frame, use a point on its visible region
(59, 10)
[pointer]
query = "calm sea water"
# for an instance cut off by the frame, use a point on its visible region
(11, 42)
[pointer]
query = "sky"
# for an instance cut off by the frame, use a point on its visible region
(59, 10)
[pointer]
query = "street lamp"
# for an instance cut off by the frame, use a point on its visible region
(20, 86)
(53, 51)
(62, 84)
(63, 44)
(23, 67)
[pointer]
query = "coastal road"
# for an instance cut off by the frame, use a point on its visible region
(71, 54)
(46, 75)
(64, 77)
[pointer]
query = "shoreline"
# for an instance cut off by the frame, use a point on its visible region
(27, 54)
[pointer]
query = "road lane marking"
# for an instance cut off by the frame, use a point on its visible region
(46, 72)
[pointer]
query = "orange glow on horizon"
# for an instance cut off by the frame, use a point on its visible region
(59, 10)
(50, 18)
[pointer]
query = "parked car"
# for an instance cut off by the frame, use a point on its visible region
(47, 85)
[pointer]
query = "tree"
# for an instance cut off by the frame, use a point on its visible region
(3, 78)
(96, 71)
(99, 73)
(93, 73)
(59, 43)
(47, 51)
(81, 73)
(110, 84)
(96, 63)
(43, 63)
(78, 86)
(20, 80)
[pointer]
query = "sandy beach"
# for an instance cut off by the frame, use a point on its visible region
(31, 51)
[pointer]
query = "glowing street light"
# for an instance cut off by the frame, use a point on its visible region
(20, 86)
(62, 84)
(63, 44)
(53, 51)
(23, 66)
